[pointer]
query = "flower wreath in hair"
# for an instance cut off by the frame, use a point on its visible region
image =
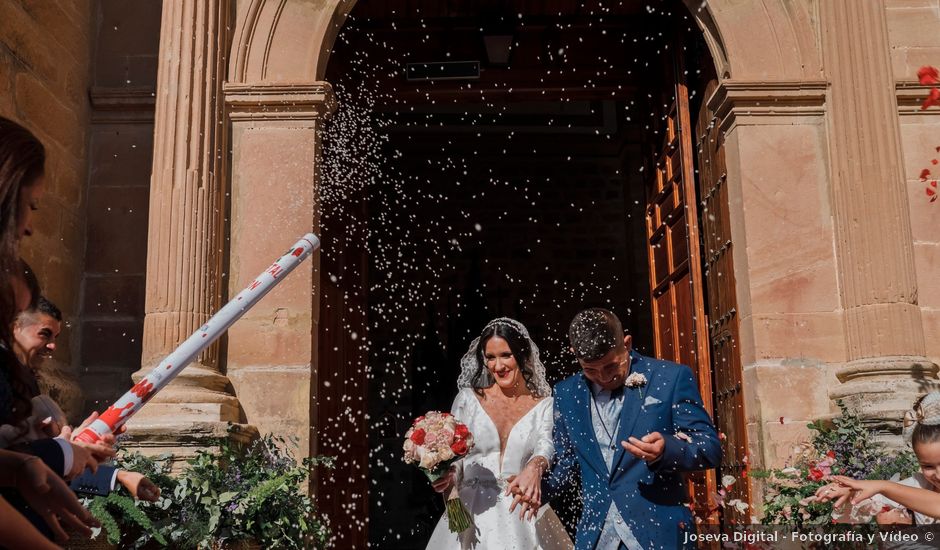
(926, 411)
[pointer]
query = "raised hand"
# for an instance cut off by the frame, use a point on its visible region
(649, 448)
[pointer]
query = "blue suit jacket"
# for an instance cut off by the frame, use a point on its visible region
(651, 497)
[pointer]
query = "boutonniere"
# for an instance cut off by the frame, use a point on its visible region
(636, 380)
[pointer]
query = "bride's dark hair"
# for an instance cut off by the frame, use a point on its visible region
(521, 352)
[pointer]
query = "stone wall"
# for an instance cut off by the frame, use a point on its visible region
(121, 148)
(45, 60)
(912, 31)
(809, 314)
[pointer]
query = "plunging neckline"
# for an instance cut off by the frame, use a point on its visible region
(502, 450)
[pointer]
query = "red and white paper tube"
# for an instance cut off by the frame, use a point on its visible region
(131, 402)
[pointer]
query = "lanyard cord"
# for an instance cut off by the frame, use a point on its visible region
(604, 424)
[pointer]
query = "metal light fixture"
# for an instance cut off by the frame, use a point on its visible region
(498, 48)
(499, 37)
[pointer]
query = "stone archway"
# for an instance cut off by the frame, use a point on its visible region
(289, 41)
(807, 306)
(275, 88)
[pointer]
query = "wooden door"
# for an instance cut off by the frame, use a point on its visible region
(722, 305)
(341, 399)
(675, 263)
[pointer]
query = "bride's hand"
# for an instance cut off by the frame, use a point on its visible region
(527, 488)
(446, 482)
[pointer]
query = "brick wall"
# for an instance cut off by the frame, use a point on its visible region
(45, 58)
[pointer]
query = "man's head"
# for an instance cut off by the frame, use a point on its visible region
(35, 331)
(603, 351)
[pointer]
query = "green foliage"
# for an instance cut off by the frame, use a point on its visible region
(235, 495)
(117, 510)
(843, 446)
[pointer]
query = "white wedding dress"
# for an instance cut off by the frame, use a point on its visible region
(482, 483)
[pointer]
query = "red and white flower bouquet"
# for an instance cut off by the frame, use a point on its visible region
(434, 442)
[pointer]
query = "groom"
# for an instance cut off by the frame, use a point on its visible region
(631, 425)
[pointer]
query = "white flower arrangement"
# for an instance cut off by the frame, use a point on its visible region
(636, 380)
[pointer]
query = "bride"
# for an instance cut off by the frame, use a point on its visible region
(505, 401)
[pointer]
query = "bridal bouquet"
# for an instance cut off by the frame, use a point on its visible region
(435, 441)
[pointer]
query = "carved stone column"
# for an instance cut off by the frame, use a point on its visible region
(883, 327)
(272, 352)
(187, 224)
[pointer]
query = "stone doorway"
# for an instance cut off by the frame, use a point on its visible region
(519, 193)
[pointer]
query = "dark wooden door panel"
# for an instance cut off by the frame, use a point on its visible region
(678, 302)
(723, 332)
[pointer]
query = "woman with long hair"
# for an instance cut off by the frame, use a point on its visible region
(505, 401)
(22, 169)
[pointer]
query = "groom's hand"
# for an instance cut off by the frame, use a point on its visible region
(649, 448)
(528, 499)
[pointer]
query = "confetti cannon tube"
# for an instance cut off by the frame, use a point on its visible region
(120, 412)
